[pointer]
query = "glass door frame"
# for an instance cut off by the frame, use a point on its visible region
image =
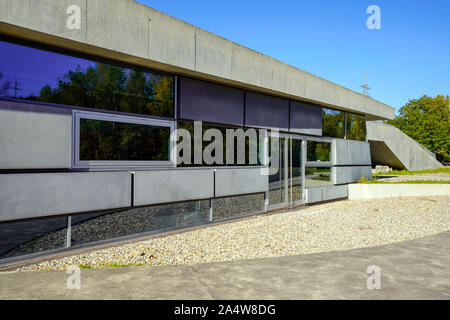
(287, 182)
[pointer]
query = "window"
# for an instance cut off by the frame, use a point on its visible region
(32, 236)
(248, 140)
(356, 127)
(317, 176)
(305, 118)
(318, 151)
(122, 223)
(235, 206)
(333, 123)
(112, 140)
(210, 102)
(318, 165)
(266, 111)
(41, 75)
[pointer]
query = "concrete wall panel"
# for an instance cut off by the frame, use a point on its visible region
(162, 186)
(47, 16)
(341, 175)
(350, 152)
(129, 27)
(326, 193)
(209, 59)
(172, 41)
(34, 137)
(358, 153)
(240, 181)
(45, 194)
(334, 192)
(339, 150)
(313, 195)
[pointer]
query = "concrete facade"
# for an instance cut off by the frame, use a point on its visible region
(350, 152)
(239, 181)
(34, 138)
(134, 33)
(162, 186)
(326, 193)
(343, 175)
(34, 195)
(390, 146)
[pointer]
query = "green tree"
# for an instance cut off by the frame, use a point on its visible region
(427, 121)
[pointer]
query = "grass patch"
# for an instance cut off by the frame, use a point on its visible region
(122, 265)
(406, 172)
(408, 182)
(112, 265)
(427, 199)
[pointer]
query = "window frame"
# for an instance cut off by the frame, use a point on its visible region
(319, 164)
(77, 115)
(329, 183)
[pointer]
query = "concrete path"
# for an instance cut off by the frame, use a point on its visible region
(417, 269)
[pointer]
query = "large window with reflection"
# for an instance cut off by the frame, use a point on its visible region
(206, 144)
(41, 75)
(317, 176)
(318, 151)
(112, 140)
(355, 127)
(333, 123)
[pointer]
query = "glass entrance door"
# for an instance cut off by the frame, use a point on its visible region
(295, 170)
(285, 179)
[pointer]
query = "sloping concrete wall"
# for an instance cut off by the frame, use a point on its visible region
(131, 32)
(392, 147)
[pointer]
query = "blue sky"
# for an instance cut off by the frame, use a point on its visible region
(407, 58)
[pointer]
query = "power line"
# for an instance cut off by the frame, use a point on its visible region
(16, 87)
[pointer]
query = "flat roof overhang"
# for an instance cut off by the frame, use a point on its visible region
(128, 31)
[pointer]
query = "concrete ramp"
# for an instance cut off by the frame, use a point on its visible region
(391, 147)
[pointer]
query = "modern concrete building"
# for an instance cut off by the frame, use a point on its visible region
(88, 111)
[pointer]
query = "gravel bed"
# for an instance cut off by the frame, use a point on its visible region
(332, 226)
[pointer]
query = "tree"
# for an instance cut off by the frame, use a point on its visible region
(427, 121)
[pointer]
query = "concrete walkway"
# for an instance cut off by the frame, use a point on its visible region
(417, 269)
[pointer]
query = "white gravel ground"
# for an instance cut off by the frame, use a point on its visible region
(332, 226)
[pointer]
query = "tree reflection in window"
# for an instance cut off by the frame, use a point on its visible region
(119, 141)
(113, 88)
(318, 151)
(356, 127)
(47, 76)
(333, 123)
